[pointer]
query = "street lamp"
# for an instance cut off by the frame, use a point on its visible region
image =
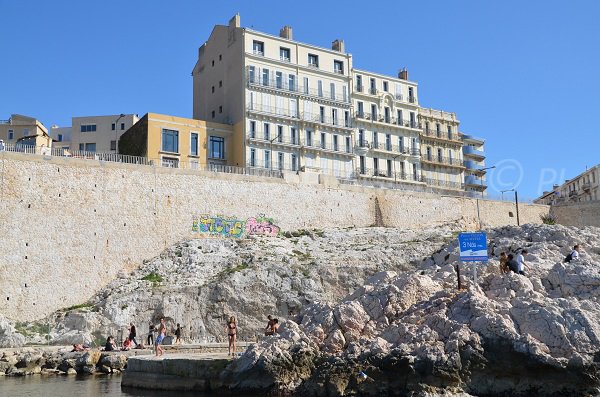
(481, 173)
(394, 162)
(516, 202)
(271, 154)
(117, 132)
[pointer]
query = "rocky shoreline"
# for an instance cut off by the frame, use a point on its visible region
(61, 361)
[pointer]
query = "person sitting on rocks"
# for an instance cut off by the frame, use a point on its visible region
(126, 345)
(521, 262)
(275, 326)
(574, 255)
(110, 344)
(504, 263)
(513, 265)
(79, 347)
(269, 328)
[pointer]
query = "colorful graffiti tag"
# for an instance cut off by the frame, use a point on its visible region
(230, 227)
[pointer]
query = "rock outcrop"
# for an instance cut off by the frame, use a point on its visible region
(414, 333)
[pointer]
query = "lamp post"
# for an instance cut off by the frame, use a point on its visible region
(271, 153)
(117, 132)
(394, 163)
(481, 173)
(504, 191)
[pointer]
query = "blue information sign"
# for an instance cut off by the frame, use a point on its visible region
(473, 247)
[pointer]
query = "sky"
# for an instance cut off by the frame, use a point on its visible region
(523, 75)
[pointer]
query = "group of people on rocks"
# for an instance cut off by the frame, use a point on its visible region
(232, 330)
(131, 343)
(508, 263)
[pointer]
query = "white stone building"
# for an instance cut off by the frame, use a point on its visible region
(584, 187)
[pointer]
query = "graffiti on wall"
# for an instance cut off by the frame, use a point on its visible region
(231, 227)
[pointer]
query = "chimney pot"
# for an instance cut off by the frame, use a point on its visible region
(403, 74)
(234, 22)
(286, 32)
(338, 45)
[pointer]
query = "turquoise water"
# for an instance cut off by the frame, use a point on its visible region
(75, 386)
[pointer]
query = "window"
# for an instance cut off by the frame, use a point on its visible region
(399, 116)
(294, 163)
(388, 142)
(81, 146)
(280, 161)
(427, 127)
(346, 118)
(265, 77)
(362, 164)
(88, 128)
(213, 89)
(306, 85)
(220, 57)
(212, 114)
(220, 83)
(113, 145)
(113, 127)
(284, 54)
(292, 82)
(400, 144)
(361, 138)
(438, 130)
(375, 139)
(413, 122)
(320, 88)
(332, 90)
(414, 168)
(279, 79)
(322, 114)
(252, 157)
(373, 87)
(267, 131)
(194, 144)
(389, 168)
(11, 134)
(361, 111)
(348, 145)
(220, 109)
(213, 62)
(26, 131)
(90, 147)
(449, 132)
(338, 67)
(293, 136)
(375, 166)
(258, 47)
(251, 74)
(253, 129)
(334, 119)
(267, 159)
(308, 138)
(60, 138)
(335, 143)
(313, 60)
(385, 86)
(323, 141)
(359, 86)
(449, 156)
(439, 155)
(279, 133)
(293, 108)
(170, 141)
(386, 113)
(411, 97)
(344, 94)
(373, 112)
(428, 153)
(216, 147)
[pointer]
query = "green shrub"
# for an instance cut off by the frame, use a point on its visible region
(548, 219)
(153, 277)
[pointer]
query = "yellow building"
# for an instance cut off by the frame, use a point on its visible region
(180, 142)
(24, 131)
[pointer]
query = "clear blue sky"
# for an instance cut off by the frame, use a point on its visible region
(521, 74)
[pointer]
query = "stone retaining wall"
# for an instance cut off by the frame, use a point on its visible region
(69, 226)
(586, 213)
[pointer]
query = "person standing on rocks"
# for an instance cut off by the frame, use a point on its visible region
(521, 262)
(178, 335)
(269, 327)
(132, 334)
(504, 263)
(231, 335)
(162, 332)
(150, 339)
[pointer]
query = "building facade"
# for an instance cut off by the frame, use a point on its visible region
(474, 156)
(178, 142)
(584, 187)
(302, 108)
(100, 133)
(25, 131)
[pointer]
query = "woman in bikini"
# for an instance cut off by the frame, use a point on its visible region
(231, 334)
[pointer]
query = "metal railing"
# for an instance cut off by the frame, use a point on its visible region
(283, 84)
(443, 160)
(442, 183)
(254, 107)
(323, 119)
(382, 173)
(261, 136)
(442, 135)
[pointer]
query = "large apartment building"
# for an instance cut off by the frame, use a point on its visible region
(24, 131)
(584, 187)
(299, 107)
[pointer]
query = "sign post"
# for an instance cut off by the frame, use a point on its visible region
(473, 248)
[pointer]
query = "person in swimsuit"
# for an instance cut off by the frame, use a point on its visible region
(162, 332)
(231, 334)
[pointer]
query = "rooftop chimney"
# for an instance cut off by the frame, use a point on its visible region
(338, 45)
(554, 187)
(234, 22)
(286, 32)
(403, 74)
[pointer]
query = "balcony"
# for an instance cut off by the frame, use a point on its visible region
(474, 139)
(473, 180)
(474, 165)
(386, 120)
(586, 186)
(373, 91)
(272, 111)
(260, 136)
(471, 151)
(444, 184)
(387, 174)
(328, 147)
(283, 85)
(440, 160)
(443, 136)
(326, 120)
